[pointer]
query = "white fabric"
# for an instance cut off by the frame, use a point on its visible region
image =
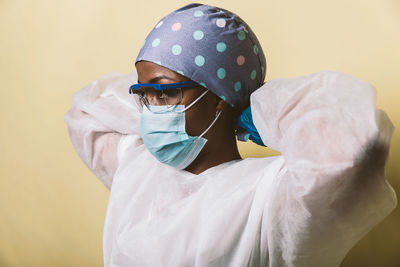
(307, 207)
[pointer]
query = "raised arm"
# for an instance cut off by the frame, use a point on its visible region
(101, 113)
(332, 188)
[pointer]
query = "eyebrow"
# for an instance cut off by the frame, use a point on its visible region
(156, 79)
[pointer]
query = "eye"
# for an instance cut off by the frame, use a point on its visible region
(173, 93)
(147, 92)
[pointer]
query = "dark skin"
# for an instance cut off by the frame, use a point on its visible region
(221, 146)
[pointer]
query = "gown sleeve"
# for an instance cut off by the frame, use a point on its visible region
(102, 114)
(331, 189)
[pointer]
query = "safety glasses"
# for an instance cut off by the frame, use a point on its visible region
(152, 94)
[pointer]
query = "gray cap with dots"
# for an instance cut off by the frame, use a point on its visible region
(211, 46)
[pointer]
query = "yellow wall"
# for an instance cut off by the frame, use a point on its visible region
(52, 208)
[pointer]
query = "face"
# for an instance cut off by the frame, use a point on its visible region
(201, 114)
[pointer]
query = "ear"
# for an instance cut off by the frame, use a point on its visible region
(222, 105)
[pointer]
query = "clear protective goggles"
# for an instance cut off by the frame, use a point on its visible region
(152, 94)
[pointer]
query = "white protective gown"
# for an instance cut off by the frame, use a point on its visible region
(307, 207)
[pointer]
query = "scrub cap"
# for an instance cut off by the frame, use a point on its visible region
(211, 46)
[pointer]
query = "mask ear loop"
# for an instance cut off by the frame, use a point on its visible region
(194, 102)
(216, 118)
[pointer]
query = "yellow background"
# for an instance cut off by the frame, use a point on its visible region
(52, 207)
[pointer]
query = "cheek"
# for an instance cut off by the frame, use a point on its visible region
(194, 121)
(198, 118)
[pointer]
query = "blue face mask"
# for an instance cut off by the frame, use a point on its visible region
(163, 133)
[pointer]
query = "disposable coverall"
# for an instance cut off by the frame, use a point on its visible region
(307, 207)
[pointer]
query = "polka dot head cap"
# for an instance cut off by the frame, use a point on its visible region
(211, 46)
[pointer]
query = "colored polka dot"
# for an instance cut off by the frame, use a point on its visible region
(221, 47)
(176, 49)
(155, 42)
(255, 49)
(198, 35)
(240, 60)
(199, 60)
(204, 85)
(222, 97)
(246, 137)
(253, 74)
(198, 13)
(220, 23)
(180, 72)
(241, 35)
(176, 27)
(221, 73)
(262, 69)
(238, 86)
(159, 24)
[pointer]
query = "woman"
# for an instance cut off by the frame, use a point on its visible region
(180, 193)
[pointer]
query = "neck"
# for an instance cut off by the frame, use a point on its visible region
(215, 154)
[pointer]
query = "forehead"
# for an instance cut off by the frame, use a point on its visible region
(149, 71)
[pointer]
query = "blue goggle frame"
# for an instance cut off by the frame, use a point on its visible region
(167, 86)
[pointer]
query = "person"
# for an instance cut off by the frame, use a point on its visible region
(180, 193)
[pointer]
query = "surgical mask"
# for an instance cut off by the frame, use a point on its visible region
(164, 135)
